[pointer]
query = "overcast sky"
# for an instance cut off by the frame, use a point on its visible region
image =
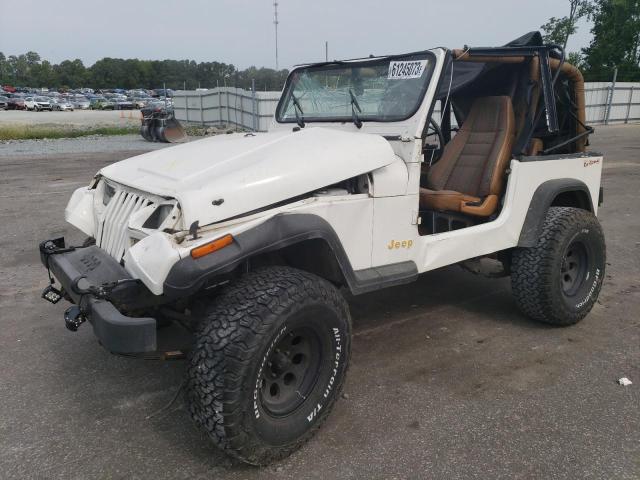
(241, 32)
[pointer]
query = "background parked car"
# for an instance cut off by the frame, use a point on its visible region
(124, 104)
(161, 92)
(61, 105)
(37, 103)
(84, 98)
(141, 102)
(102, 104)
(16, 102)
(4, 103)
(30, 103)
(94, 101)
(80, 102)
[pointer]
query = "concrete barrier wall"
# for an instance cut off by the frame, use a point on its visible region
(255, 110)
(226, 106)
(621, 107)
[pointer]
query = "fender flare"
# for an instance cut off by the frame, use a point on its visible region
(189, 275)
(542, 199)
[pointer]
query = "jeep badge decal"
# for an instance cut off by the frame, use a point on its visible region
(395, 244)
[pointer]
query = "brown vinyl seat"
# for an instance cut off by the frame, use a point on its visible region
(469, 176)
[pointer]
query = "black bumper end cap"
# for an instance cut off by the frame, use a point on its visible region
(119, 333)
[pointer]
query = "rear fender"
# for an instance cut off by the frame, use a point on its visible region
(566, 192)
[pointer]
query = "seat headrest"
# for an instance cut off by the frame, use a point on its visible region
(490, 113)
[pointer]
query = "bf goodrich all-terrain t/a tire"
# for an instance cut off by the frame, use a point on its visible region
(558, 280)
(269, 361)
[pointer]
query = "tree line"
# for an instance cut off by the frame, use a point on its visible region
(615, 44)
(30, 70)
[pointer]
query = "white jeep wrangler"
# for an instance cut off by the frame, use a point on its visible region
(246, 240)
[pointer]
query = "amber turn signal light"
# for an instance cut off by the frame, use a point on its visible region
(211, 247)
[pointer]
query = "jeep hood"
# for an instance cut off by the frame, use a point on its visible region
(220, 177)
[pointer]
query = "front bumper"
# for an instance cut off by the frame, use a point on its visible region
(90, 277)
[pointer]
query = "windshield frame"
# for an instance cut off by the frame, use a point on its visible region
(364, 62)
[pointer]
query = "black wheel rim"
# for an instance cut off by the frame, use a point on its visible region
(575, 265)
(291, 372)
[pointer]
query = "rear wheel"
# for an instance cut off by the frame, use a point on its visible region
(558, 280)
(269, 361)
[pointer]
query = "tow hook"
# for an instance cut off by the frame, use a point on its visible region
(73, 318)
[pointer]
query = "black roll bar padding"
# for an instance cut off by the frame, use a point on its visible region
(589, 131)
(548, 92)
(525, 137)
(547, 83)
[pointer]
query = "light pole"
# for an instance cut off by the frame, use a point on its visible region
(275, 22)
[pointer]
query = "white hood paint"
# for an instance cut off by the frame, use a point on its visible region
(251, 171)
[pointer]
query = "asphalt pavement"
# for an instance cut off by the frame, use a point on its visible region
(447, 380)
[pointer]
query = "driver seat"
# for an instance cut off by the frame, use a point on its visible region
(470, 175)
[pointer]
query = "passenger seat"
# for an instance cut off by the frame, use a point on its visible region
(469, 176)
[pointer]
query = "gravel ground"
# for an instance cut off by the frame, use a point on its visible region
(78, 118)
(447, 380)
(90, 144)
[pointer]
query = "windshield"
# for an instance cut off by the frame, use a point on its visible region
(386, 89)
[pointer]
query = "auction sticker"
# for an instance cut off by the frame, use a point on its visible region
(402, 70)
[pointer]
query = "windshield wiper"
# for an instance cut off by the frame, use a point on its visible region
(355, 105)
(297, 108)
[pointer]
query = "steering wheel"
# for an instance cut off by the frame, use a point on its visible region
(436, 151)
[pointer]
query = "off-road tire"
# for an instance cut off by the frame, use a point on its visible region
(558, 280)
(254, 319)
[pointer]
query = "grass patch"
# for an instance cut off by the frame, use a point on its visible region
(35, 132)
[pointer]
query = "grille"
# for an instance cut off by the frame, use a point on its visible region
(112, 229)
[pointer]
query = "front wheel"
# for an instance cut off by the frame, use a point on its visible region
(558, 280)
(269, 361)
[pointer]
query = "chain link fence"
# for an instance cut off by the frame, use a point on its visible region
(606, 102)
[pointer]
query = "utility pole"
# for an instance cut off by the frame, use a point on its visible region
(275, 22)
(326, 51)
(612, 91)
